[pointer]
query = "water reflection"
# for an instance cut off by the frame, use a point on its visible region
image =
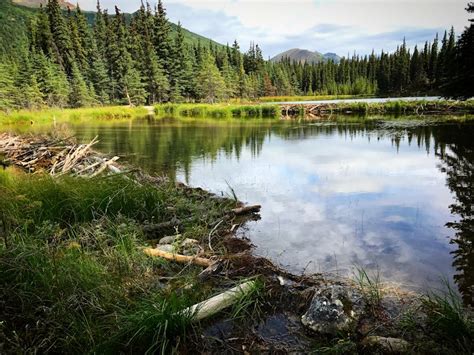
(457, 156)
(333, 194)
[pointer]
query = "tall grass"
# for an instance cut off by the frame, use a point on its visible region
(58, 115)
(403, 107)
(218, 110)
(449, 321)
(370, 287)
(73, 276)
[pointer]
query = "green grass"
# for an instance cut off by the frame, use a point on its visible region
(448, 321)
(403, 107)
(60, 115)
(218, 110)
(249, 305)
(370, 287)
(73, 276)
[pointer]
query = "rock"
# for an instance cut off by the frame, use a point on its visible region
(166, 247)
(333, 309)
(189, 242)
(388, 345)
(192, 251)
(168, 240)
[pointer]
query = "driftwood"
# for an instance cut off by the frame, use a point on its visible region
(55, 156)
(177, 257)
(217, 303)
(246, 209)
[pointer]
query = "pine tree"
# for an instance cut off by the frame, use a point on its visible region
(125, 78)
(40, 36)
(62, 46)
(80, 95)
(52, 81)
(29, 94)
(433, 64)
(155, 82)
(181, 76)
(162, 38)
(210, 84)
(7, 88)
(460, 83)
(230, 78)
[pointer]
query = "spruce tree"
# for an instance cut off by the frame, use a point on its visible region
(460, 83)
(210, 84)
(181, 75)
(62, 46)
(162, 38)
(52, 81)
(80, 95)
(7, 88)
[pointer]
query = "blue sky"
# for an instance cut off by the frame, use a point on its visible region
(340, 26)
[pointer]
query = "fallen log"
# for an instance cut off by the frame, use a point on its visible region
(217, 303)
(178, 258)
(247, 209)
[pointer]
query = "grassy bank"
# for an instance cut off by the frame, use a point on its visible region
(391, 107)
(58, 115)
(218, 110)
(73, 275)
(309, 98)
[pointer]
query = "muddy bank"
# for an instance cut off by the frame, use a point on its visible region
(192, 244)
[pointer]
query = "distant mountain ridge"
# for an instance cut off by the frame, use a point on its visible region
(36, 3)
(16, 14)
(305, 56)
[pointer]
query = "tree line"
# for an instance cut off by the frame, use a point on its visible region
(68, 62)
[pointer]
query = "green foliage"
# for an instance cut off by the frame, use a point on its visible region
(58, 115)
(218, 110)
(73, 275)
(449, 321)
(7, 88)
(143, 58)
(211, 86)
(371, 288)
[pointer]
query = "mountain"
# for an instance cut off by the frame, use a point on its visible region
(16, 14)
(36, 3)
(305, 56)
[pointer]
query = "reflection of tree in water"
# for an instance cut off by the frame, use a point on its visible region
(172, 146)
(169, 146)
(454, 145)
(458, 164)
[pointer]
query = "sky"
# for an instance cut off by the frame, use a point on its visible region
(339, 26)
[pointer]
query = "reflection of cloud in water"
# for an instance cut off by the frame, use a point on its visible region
(338, 202)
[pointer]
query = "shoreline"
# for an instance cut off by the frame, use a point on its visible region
(362, 308)
(295, 110)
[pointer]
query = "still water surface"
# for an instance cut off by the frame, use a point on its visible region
(334, 195)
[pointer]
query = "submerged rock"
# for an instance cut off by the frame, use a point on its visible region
(387, 345)
(333, 309)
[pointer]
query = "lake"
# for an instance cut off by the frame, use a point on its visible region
(334, 195)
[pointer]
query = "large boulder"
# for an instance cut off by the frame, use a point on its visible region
(334, 309)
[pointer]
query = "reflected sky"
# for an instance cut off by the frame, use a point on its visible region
(338, 202)
(333, 196)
